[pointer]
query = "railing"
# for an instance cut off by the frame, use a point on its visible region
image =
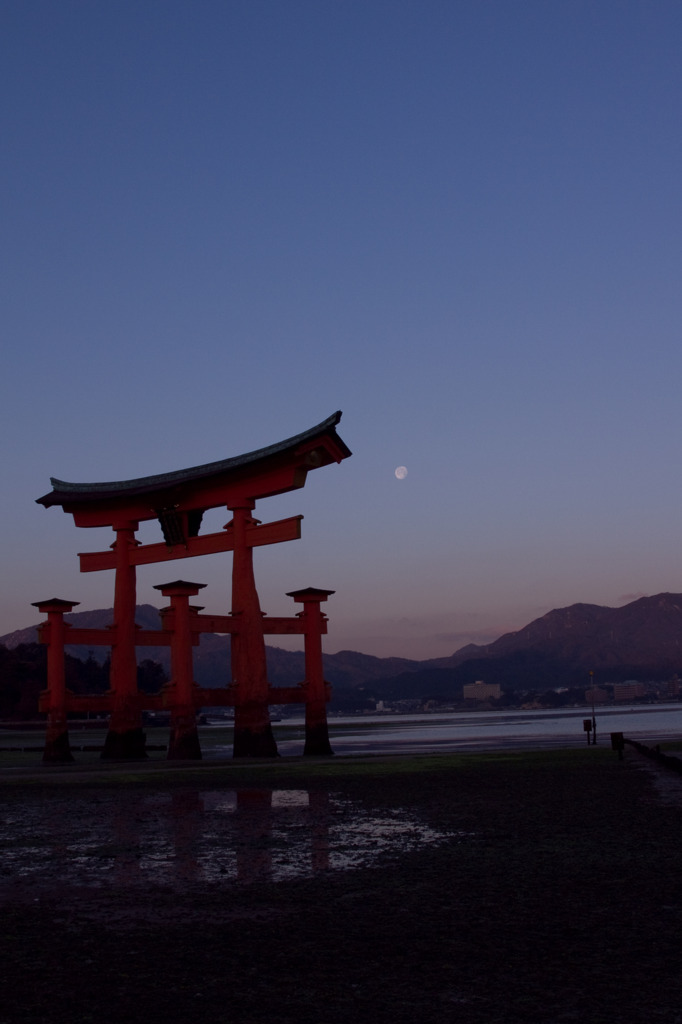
(656, 754)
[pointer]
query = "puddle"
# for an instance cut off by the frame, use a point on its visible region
(217, 836)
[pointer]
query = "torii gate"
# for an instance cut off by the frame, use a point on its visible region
(178, 501)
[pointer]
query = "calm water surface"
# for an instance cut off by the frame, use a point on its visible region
(491, 730)
(410, 734)
(109, 838)
(104, 838)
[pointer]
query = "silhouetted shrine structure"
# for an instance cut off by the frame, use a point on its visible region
(178, 501)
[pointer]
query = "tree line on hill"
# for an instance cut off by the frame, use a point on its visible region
(553, 654)
(23, 675)
(523, 678)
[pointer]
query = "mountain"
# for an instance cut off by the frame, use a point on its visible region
(645, 635)
(345, 670)
(641, 640)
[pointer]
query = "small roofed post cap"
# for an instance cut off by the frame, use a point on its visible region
(310, 594)
(54, 604)
(179, 587)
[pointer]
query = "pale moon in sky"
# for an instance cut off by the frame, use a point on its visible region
(401, 472)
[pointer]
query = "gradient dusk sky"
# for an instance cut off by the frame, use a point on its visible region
(458, 221)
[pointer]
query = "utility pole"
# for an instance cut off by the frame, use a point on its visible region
(594, 719)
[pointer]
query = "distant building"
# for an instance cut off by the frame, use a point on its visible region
(481, 691)
(628, 691)
(595, 695)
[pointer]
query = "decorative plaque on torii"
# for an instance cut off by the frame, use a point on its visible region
(178, 501)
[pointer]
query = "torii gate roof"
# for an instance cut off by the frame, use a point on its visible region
(273, 470)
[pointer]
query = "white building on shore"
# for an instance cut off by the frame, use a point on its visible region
(481, 691)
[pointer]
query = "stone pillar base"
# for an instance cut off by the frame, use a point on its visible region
(183, 744)
(254, 744)
(317, 741)
(125, 746)
(57, 748)
(253, 736)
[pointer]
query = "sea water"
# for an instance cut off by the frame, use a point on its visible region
(492, 730)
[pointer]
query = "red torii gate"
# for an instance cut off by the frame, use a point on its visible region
(178, 501)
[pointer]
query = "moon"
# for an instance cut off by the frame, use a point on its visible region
(401, 472)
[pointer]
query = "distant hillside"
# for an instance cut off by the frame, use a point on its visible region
(345, 670)
(640, 640)
(644, 635)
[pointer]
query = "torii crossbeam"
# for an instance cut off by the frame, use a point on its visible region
(178, 501)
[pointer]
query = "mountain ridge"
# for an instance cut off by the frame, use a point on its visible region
(211, 658)
(640, 639)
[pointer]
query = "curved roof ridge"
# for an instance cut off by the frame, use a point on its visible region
(162, 480)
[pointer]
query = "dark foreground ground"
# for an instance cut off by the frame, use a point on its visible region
(554, 895)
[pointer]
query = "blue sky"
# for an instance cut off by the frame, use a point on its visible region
(458, 222)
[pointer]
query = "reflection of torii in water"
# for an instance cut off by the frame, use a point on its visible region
(178, 501)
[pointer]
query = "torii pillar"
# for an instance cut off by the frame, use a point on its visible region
(184, 737)
(57, 747)
(253, 736)
(125, 739)
(315, 689)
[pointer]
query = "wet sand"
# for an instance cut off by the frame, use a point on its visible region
(503, 887)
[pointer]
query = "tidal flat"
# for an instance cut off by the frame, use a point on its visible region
(501, 887)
